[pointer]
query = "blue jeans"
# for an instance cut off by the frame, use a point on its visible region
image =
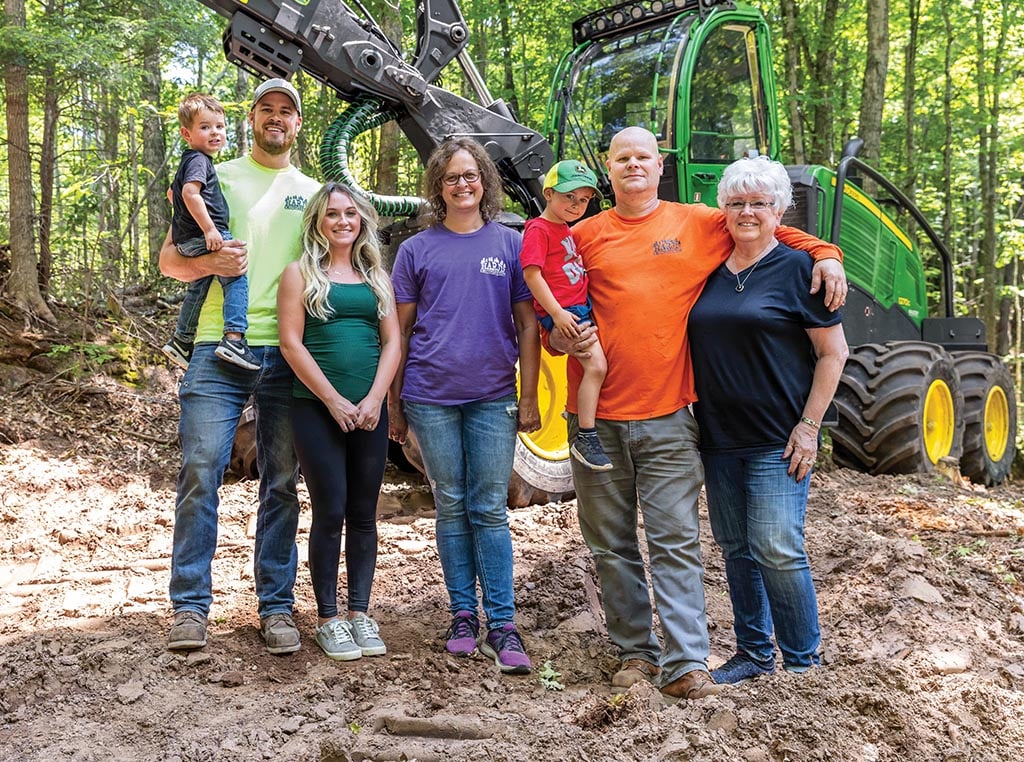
(757, 516)
(236, 296)
(468, 452)
(656, 466)
(212, 395)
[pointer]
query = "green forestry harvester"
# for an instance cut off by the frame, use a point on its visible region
(698, 73)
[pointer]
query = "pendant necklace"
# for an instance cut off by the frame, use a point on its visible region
(739, 283)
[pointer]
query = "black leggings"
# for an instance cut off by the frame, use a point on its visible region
(343, 473)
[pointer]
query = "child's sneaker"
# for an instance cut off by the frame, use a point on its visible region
(366, 634)
(504, 645)
(178, 352)
(335, 638)
(588, 451)
(237, 352)
(460, 640)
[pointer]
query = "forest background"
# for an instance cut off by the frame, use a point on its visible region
(90, 136)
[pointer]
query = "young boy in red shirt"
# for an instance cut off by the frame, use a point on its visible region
(555, 274)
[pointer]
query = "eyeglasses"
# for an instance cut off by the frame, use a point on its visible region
(470, 178)
(755, 206)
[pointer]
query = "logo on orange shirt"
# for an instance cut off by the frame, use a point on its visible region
(667, 246)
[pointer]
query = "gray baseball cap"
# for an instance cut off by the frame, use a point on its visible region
(278, 85)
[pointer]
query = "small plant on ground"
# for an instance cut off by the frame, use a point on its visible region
(549, 677)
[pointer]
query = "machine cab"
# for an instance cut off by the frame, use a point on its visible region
(697, 74)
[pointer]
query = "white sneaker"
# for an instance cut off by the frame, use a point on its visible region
(335, 638)
(366, 634)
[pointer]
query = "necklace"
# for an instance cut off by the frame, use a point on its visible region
(739, 283)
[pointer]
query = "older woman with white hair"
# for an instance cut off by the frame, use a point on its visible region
(767, 357)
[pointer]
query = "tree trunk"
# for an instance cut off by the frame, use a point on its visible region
(820, 80)
(910, 101)
(509, 85)
(793, 35)
(242, 95)
(109, 189)
(990, 76)
(872, 98)
(390, 135)
(23, 284)
(47, 171)
(154, 157)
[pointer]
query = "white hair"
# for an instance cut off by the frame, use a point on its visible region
(757, 174)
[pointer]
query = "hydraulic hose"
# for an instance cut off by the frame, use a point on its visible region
(364, 113)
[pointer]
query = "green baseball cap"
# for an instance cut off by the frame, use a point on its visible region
(569, 175)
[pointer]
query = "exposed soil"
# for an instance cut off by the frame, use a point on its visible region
(919, 580)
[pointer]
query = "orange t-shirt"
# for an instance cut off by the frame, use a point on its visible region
(645, 276)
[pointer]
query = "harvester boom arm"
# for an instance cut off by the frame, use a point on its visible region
(350, 53)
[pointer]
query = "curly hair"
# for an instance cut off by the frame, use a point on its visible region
(316, 255)
(437, 165)
(757, 174)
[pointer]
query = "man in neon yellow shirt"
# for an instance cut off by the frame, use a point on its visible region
(267, 196)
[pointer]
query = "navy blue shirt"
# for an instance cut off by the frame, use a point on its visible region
(197, 167)
(753, 362)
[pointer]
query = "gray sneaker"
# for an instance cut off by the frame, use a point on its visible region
(366, 633)
(335, 638)
(188, 631)
(280, 633)
(588, 451)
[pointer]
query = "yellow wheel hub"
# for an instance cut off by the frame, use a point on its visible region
(997, 423)
(939, 422)
(550, 441)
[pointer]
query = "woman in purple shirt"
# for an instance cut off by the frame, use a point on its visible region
(466, 319)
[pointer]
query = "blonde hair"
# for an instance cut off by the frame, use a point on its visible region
(316, 254)
(192, 104)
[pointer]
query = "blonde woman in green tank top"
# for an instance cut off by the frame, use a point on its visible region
(339, 333)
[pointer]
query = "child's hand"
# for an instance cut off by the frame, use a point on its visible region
(565, 322)
(214, 240)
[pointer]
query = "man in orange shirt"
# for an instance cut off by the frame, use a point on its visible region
(647, 261)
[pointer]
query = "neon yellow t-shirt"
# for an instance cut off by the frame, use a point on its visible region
(266, 212)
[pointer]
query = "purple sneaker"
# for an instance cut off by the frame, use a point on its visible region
(504, 645)
(462, 634)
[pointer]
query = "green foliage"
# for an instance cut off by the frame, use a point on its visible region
(549, 677)
(84, 357)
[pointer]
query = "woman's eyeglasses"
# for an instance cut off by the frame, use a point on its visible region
(470, 178)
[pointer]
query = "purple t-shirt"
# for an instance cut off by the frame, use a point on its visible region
(463, 346)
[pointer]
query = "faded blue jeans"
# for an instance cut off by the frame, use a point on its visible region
(236, 296)
(656, 467)
(212, 395)
(468, 452)
(757, 516)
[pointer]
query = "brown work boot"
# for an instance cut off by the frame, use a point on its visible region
(188, 631)
(692, 685)
(632, 671)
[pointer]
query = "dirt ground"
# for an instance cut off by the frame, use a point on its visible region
(919, 583)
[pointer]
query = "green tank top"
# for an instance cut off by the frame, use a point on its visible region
(346, 346)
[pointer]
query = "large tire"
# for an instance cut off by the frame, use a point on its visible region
(900, 409)
(990, 417)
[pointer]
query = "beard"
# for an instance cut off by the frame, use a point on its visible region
(273, 144)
